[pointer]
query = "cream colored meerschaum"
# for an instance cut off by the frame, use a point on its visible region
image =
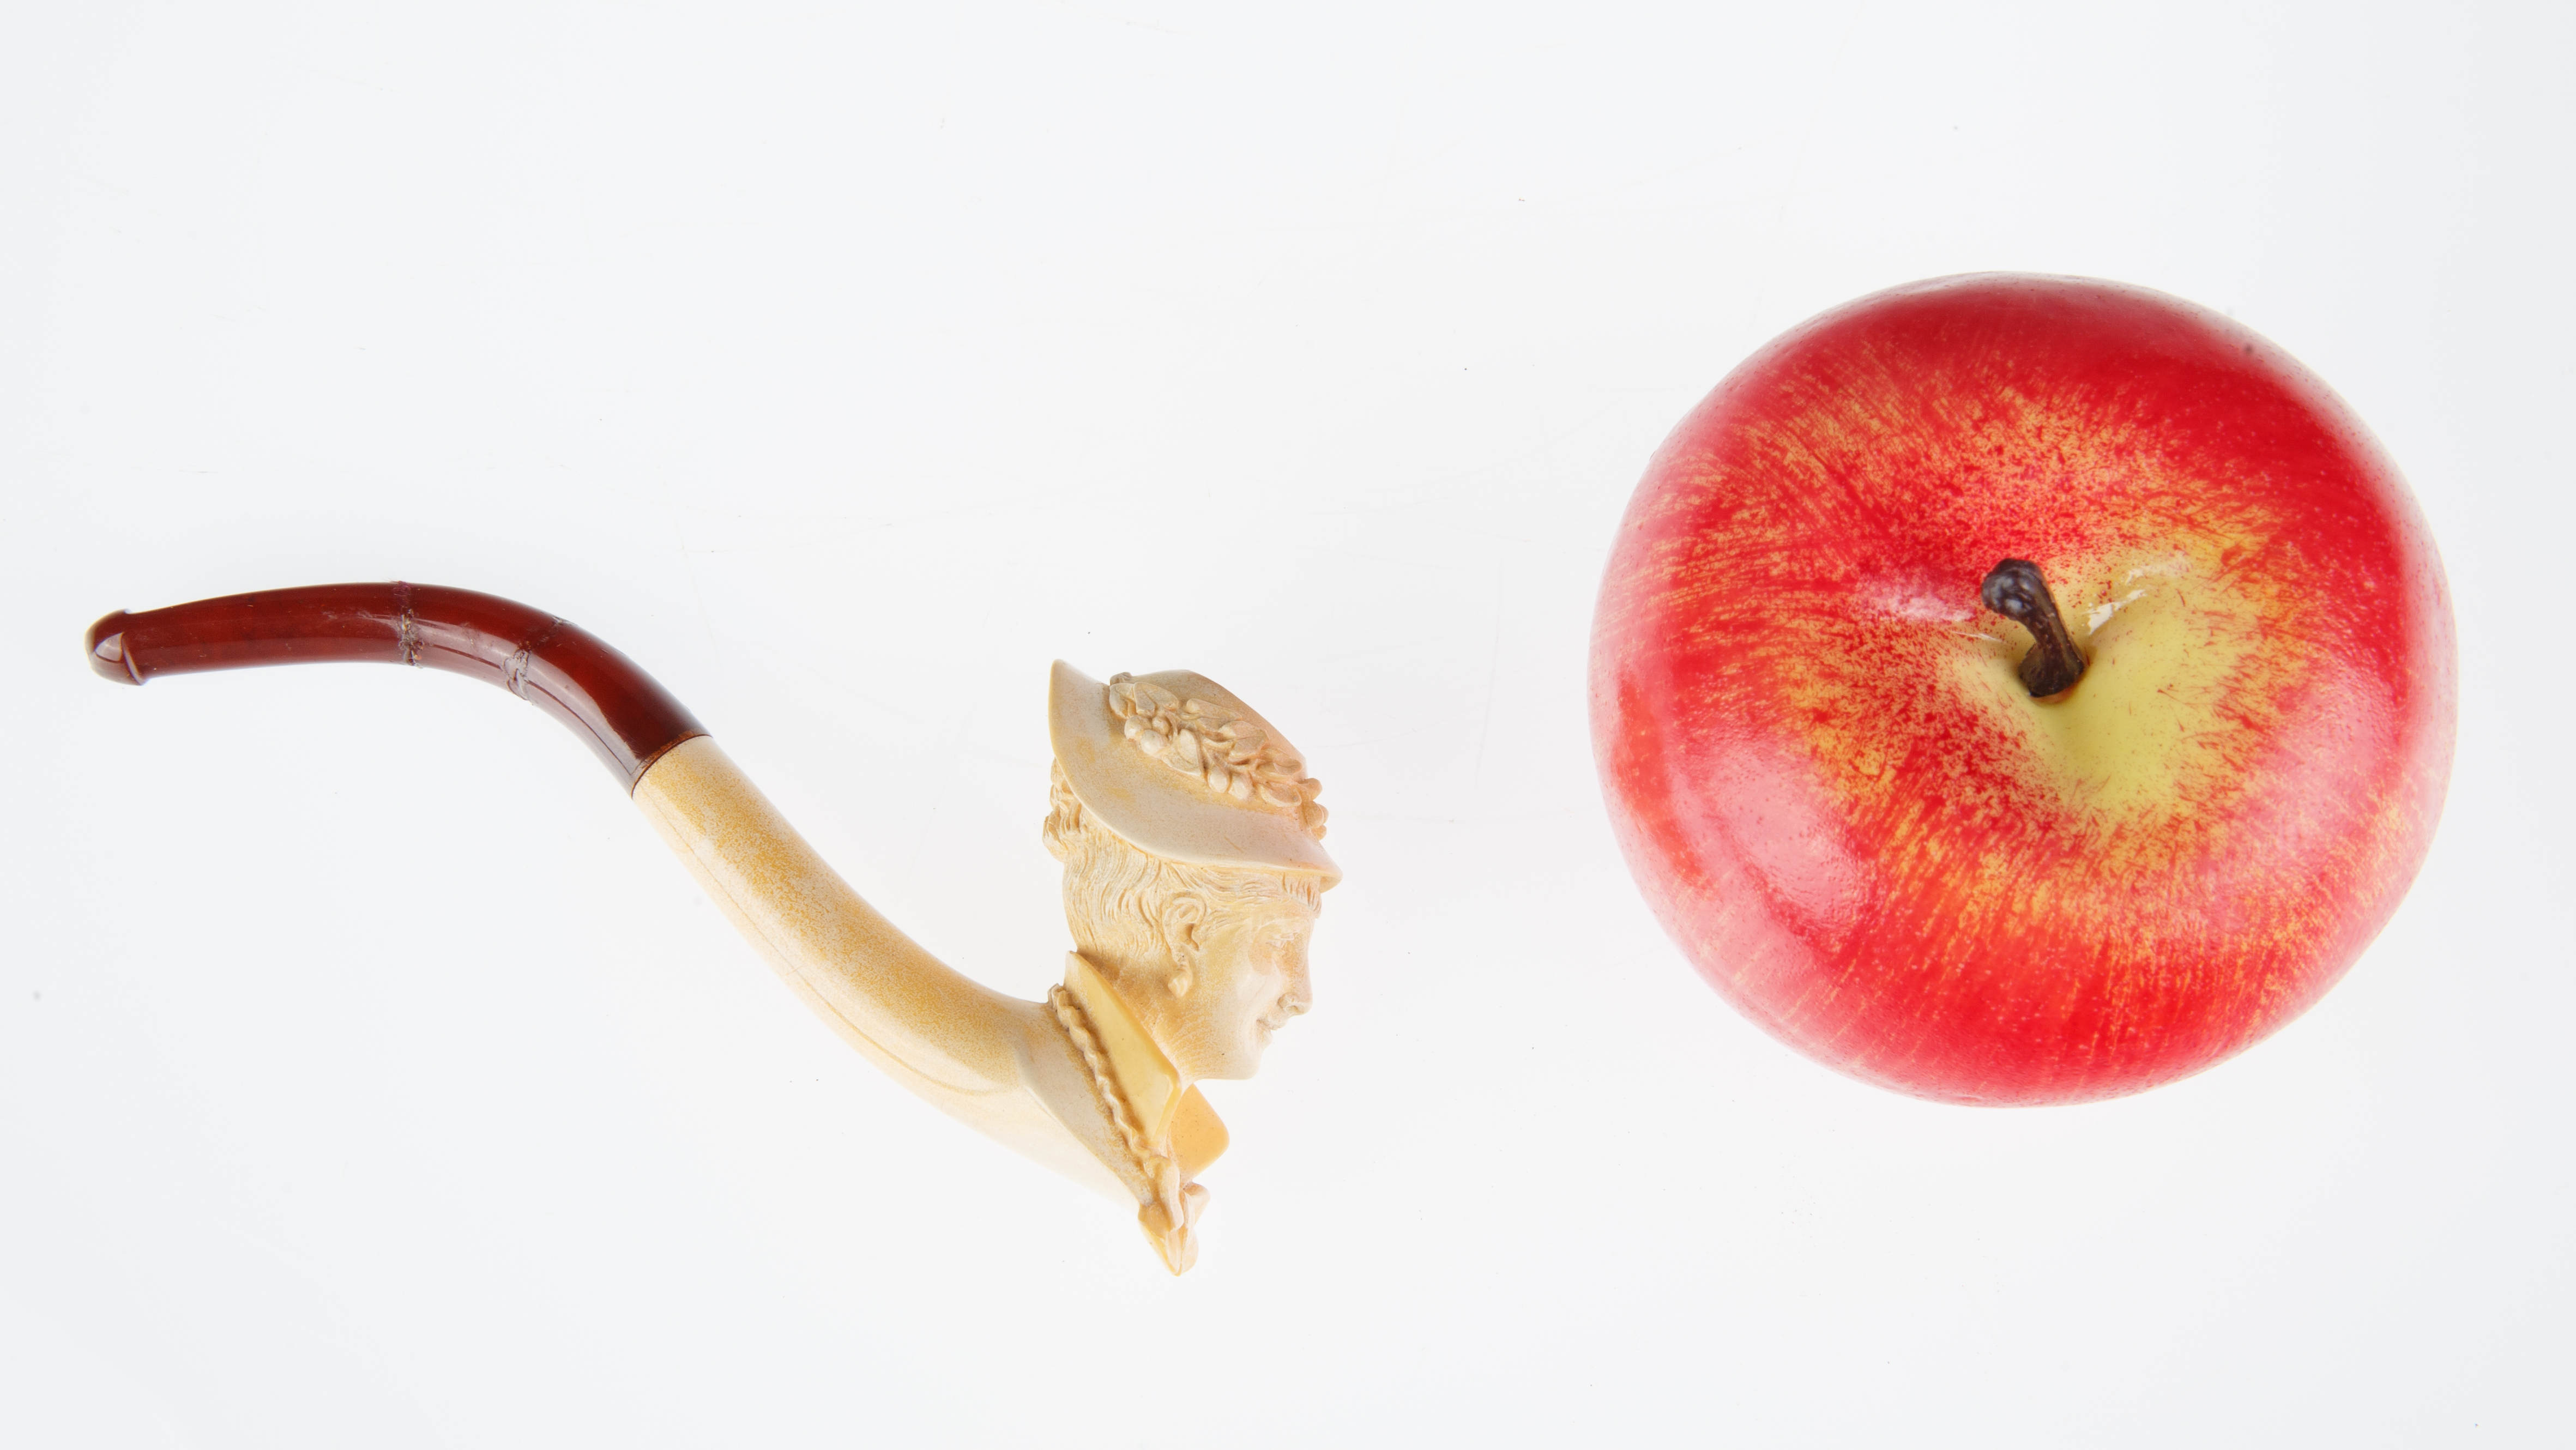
(1193, 870)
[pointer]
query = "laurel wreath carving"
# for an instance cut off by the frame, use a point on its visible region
(1228, 753)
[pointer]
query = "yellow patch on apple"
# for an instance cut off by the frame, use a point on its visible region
(2158, 729)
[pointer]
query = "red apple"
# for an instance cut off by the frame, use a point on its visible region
(1850, 810)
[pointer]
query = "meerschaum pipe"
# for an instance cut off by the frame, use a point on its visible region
(1097, 1081)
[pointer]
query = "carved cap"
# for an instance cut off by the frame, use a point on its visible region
(1176, 766)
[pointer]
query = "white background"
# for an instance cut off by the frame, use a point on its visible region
(369, 1076)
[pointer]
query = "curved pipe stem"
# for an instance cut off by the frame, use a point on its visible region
(566, 671)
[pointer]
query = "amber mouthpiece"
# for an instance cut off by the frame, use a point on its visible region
(106, 645)
(624, 714)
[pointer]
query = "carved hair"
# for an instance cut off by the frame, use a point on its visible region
(1114, 894)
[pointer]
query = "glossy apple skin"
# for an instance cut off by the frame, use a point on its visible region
(1916, 877)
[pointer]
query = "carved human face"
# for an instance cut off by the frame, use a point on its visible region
(1246, 969)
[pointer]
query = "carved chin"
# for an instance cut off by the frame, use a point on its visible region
(1246, 1055)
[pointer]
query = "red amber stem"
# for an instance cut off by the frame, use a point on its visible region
(562, 669)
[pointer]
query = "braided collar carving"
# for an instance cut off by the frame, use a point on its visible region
(1141, 1103)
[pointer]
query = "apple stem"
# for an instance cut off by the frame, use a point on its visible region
(2015, 590)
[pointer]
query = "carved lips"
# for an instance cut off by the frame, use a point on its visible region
(1841, 797)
